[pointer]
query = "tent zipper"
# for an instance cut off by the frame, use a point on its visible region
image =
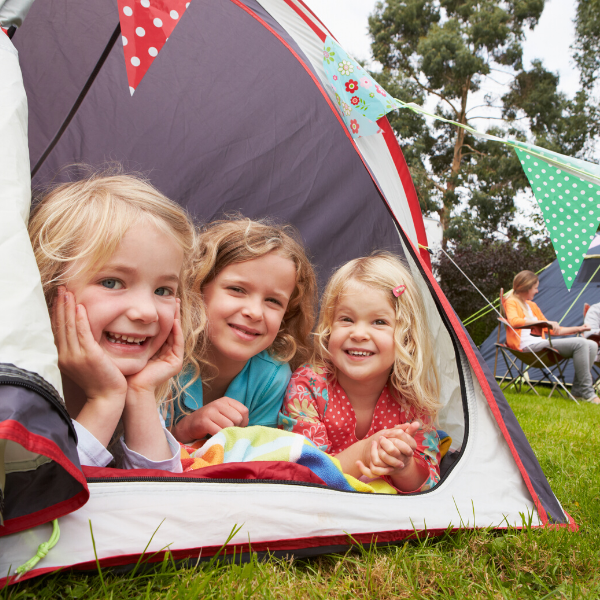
(208, 480)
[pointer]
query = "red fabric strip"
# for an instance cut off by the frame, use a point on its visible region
(16, 432)
(408, 185)
(270, 470)
(383, 537)
(320, 33)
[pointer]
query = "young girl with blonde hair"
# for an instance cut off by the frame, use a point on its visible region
(113, 255)
(371, 392)
(258, 290)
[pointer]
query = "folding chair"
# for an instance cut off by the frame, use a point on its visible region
(518, 363)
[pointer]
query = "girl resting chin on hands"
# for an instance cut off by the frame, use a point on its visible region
(112, 257)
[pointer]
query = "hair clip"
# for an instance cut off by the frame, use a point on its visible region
(398, 291)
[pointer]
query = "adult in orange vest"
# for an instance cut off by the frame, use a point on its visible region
(522, 310)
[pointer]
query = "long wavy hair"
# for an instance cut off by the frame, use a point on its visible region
(76, 227)
(414, 375)
(236, 240)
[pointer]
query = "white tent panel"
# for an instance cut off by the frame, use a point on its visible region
(26, 339)
(484, 489)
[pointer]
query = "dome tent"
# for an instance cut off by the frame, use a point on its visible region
(234, 115)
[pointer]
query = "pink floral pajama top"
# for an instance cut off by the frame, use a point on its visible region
(321, 411)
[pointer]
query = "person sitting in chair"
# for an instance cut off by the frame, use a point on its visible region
(521, 310)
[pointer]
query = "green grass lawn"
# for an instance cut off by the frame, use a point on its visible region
(482, 564)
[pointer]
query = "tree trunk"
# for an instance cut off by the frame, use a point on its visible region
(446, 209)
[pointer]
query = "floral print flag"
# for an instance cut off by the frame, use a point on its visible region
(567, 189)
(360, 99)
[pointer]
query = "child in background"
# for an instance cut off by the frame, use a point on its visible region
(371, 394)
(112, 253)
(258, 289)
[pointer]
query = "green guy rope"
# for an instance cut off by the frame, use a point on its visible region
(42, 551)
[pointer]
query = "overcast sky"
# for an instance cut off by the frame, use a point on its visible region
(549, 41)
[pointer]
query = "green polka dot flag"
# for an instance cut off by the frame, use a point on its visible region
(571, 209)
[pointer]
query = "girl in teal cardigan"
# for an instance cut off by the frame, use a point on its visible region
(258, 293)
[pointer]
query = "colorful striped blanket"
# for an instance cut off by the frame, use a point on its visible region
(245, 444)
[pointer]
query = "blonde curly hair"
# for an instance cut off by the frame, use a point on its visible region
(414, 375)
(76, 227)
(230, 241)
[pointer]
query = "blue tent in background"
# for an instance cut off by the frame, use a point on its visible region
(554, 301)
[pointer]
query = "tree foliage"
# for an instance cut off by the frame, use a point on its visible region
(446, 49)
(587, 44)
(492, 265)
(556, 122)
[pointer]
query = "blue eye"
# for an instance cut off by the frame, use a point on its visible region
(163, 291)
(111, 284)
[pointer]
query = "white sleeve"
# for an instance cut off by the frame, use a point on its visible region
(592, 318)
(91, 452)
(133, 460)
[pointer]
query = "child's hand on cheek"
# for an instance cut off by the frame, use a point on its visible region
(143, 429)
(166, 363)
(80, 357)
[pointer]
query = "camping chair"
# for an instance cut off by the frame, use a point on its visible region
(518, 363)
(594, 338)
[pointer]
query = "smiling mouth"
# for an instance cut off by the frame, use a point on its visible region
(125, 340)
(359, 352)
(243, 330)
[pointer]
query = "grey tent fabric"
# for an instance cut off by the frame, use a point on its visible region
(43, 476)
(212, 123)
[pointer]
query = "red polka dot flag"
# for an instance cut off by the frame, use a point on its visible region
(145, 27)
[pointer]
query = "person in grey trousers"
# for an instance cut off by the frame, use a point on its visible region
(521, 310)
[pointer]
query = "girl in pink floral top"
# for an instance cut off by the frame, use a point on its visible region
(370, 394)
